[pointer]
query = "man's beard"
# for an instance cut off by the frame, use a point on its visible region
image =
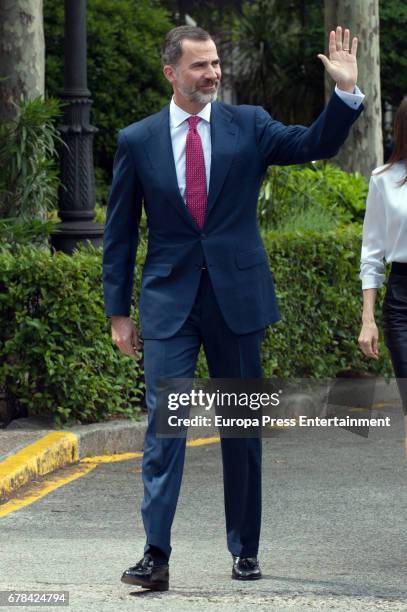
(195, 95)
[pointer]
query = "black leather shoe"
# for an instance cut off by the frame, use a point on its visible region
(245, 568)
(148, 574)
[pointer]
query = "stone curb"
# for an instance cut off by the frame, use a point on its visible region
(120, 436)
(56, 449)
(52, 451)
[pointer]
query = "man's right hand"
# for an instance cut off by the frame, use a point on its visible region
(125, 336)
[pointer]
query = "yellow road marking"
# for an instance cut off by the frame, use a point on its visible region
(111, 458)
(52, 483)
(202, 441)
(86, 465)
(37, 491)
(383, 405)
(54, 450)
(129, 456)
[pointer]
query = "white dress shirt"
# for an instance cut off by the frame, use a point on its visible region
(385, 225)
(179, 130)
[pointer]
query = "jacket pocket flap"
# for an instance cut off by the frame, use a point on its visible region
(157, 269)
(254, 257)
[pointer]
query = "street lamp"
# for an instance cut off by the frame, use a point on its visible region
(77, 193)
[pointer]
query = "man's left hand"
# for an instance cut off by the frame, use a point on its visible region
(342, 64)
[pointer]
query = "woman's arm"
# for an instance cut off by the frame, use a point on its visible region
(372, 267)
(369, 334)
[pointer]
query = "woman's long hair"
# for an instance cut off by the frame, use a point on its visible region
(399, 153)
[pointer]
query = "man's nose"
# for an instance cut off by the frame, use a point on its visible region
(212, 74)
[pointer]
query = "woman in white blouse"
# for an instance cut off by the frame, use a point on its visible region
(385, 239)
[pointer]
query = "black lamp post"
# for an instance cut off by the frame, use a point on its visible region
(77, 194)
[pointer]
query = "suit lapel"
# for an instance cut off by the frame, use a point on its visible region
(223, 142)
(158, 147)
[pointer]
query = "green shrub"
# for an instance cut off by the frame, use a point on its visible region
(319, 293)
(14, 233)
(294, 197)
(316, 218)
(56, 354)
(28, 172)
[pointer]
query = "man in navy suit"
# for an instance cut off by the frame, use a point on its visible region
(198, 165)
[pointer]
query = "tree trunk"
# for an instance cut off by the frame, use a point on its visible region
(22, 53)
(363, 150)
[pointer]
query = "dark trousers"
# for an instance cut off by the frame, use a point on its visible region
(228, 356)
(395, 326)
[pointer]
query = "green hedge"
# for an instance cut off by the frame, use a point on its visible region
(56, 356)
(319, 292)
(55, 347)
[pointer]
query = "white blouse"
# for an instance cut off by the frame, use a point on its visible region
(385, 224)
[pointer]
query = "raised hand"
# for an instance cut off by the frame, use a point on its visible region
(342, 64)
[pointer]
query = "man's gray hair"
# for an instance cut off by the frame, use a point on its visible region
(172, 48)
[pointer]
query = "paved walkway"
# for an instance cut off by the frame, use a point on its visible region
(333, 535)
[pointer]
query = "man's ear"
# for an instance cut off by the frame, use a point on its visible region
(169, 73)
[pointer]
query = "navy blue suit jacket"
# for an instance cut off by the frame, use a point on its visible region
(245, 141)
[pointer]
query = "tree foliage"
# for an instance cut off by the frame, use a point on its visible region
(279, 42)
(276, 60)
(393, 50)
(124, 70)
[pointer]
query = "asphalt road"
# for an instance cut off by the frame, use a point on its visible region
(333, 534)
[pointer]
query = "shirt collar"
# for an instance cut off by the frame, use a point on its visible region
(178, 115)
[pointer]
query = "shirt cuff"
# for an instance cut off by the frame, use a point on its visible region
(369, 281)
(354, 100)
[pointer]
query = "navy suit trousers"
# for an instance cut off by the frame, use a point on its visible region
(228, 356)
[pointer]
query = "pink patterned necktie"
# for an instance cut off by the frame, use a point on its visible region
(195, 177)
